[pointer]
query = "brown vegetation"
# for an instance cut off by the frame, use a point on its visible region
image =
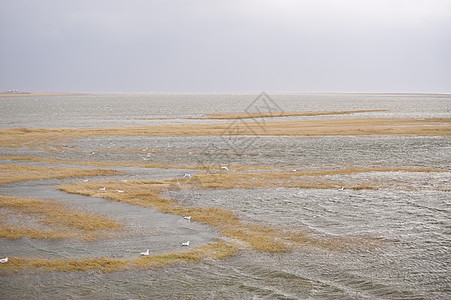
(218, 250)
(237, 234)
(62, 222)
(134, 164)
(13, 173)
(54, 219)
(248, 235)
(18, 137)
(286, 114)
(57, 221)
(298, 179)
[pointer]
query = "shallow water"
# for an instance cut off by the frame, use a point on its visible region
(410, 217)
(99, 110)
(143, 228)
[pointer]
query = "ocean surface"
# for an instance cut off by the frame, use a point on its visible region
(410, 218)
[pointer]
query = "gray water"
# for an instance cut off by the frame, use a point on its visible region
(98, 110)
(410, 217)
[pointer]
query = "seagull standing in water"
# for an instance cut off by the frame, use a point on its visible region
(224, 168)
(145, 253)
(4, 260)
(187, 218)
(185, 244)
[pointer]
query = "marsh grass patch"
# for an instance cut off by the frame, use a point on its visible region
(57, 220)
(40, 137)
(14, 173)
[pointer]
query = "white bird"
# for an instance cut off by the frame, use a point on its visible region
(187, 175)
(119, 191)
(86, 180)
(145, 253)
(3, 260)
(225, 168)
(342, 189)
(93, 152)
(185, 244)
(102, 189)
(187, 218)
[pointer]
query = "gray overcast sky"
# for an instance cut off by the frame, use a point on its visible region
(226, 46)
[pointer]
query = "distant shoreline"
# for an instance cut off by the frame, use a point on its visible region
(45, 94)
(14, 95)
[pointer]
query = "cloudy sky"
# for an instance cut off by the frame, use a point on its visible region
(226, 46)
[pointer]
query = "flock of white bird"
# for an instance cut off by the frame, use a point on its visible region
(146, 253)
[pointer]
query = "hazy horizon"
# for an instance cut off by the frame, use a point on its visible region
(246, 46)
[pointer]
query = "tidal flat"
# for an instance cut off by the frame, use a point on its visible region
(317, 203)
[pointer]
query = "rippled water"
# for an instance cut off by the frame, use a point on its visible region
(129, 109)
(410, 217)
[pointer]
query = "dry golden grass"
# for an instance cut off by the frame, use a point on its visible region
(216, 251)
(286, 114)
(62, 221)
(14, 173)
(20, 137)
(104, 264)
(14, 232)
(305, 179)
(247, 235)
(148, 194)
(137, 164)
(358, 127)
(237, 234)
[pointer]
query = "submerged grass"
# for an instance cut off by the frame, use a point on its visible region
(133, 164)
(35, 137)
(237, 232)
(286, 114)
(62, 222)
(298, 179)
(147, 193)
(215, 251)
(14, 173)
(14, 232)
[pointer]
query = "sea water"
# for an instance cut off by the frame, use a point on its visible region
(410, 219)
